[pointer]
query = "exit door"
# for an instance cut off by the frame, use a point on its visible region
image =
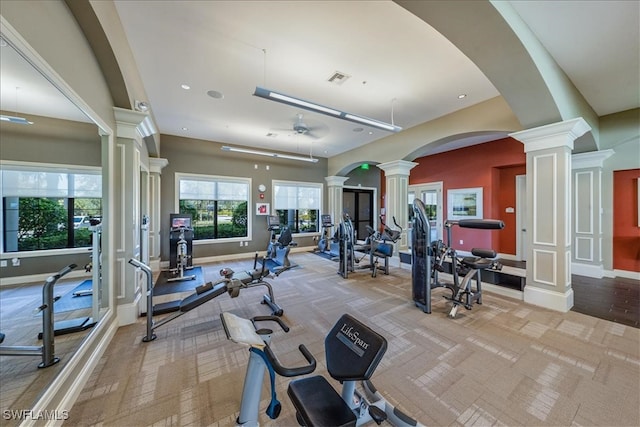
(359, 205)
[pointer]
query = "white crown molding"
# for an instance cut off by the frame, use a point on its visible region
(594, 159)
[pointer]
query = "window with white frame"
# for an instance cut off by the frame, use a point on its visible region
(48, 206)
(298, 205)
(218, 205)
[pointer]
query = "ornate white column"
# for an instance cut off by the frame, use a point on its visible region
(396, 199)
(335, 184)
(548, 150)
(587, 232)
(155, 172)
(129, 132)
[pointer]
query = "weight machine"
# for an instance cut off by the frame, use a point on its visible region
(231, 283)
(181, 248)
(376, 246)
(428, 259)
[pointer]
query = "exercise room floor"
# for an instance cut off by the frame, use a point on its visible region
(502, 363)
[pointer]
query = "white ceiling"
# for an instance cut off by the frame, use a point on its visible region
(402, 71)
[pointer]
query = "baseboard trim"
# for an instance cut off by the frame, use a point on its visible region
(588, 270)
(504, 291)
(635, 275)
(549, 299)
(128, 313)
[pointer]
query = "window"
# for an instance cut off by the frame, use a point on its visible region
(298, 205)
(218, 205)
(48, 207)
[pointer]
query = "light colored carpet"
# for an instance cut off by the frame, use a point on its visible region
(503, 363)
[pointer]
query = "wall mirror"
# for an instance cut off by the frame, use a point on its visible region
(53, 173)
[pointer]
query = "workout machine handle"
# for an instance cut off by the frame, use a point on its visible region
(61, 273)
(269, 318)
(292, 372)
(47, 291)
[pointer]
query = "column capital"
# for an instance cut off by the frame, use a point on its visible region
(335, 181)
(132, 124)
(156, 164)
(552, 135)
(594, 159)
(397, 167)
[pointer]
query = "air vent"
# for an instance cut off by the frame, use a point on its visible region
(338, 78)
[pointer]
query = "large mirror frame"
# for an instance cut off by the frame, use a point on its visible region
(64, 387)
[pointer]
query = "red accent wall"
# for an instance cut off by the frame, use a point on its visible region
(626, 233)
(506, 198)
(492, 166)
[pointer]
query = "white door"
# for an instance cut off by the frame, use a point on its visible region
(431, 195)
(521, 218)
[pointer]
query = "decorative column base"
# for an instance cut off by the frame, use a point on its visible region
(549, 299)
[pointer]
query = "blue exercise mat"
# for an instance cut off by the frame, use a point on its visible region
(69, 302)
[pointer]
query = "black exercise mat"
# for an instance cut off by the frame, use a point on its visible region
(68, 302)
(164, 287)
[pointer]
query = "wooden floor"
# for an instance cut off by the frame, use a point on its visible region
(615, 299)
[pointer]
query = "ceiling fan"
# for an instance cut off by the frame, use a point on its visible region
(313, 129)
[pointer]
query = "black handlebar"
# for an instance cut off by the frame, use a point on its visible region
(292, 372)
(269, 318)
(61, 273)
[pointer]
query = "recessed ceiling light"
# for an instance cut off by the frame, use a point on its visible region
(185, 87)
(215, 94)
(185, 128)
(462, 95)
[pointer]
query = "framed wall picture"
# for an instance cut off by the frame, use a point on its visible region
(262, 209)
(464, 203)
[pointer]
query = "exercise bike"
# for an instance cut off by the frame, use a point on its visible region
(261, 358)
(353, 352)
(277, 256)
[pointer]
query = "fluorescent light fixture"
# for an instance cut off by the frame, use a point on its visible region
(371, 122)
(318, 108)
(13, 119)
(267, 154)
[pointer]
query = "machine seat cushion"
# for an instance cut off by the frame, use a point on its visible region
(319, 404)
(477, 263)
(353, 350)
(195, 300)
(480, 261)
